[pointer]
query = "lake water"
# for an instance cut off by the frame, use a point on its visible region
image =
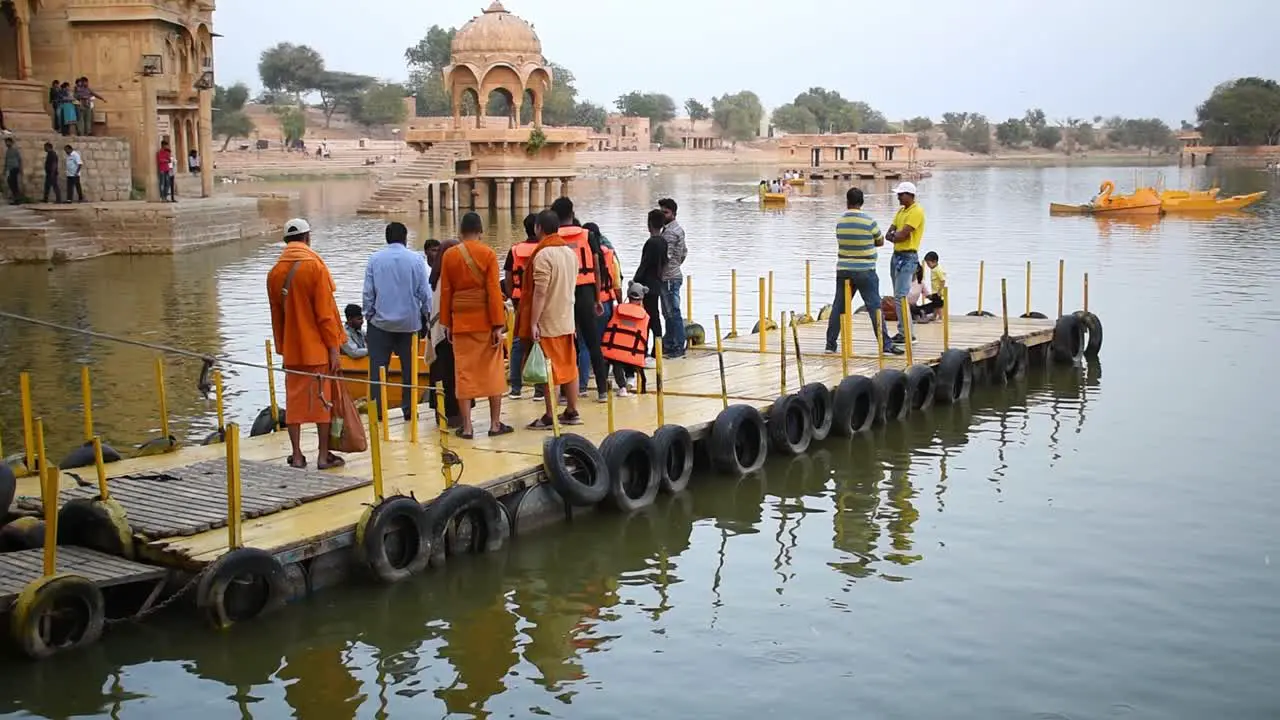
(1080, 546)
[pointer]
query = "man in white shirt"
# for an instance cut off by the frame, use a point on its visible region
(74, 166)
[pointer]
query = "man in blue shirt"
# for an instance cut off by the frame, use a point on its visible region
(857, 237)
(396, 298)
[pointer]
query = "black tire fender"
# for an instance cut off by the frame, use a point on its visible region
(61, 593)
(790, 425)
(738, 443)
(695, 334)
(262, 423)
(8, 487)
(1068, 339)
(674, 446)
(1011, 360)
(1093, 331)
(955, 377)
(979, 313)
(893, 399)
(23, 533)
(635, 474)
(392, 539)
(922, 383)
(576, 469)
(1034, 315)
(217, 437)
(854, 406)
(82, 456)
(819, 397)
(240, 586)
(96, 524)
(465, 519)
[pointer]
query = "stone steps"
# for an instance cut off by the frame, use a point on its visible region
(29, 236)
(434, 165)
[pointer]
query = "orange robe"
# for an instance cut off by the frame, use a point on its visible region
(471, 305)
(306, 325)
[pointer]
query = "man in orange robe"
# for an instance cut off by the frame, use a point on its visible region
(308, 332)
(474, 318)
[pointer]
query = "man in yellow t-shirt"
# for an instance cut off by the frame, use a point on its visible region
(906, 233)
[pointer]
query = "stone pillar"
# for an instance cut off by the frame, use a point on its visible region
(463, 189)
(480, 193)
(566, 187)
(522, 194)
(447, 191)
(22, 29)
(433, 200)
(537, 193)
(502, 197)
(549, 191)
(149, 142)
(204, 137)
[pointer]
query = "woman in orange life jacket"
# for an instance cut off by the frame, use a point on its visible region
(626, 338)
(514, 270)
(609, 293)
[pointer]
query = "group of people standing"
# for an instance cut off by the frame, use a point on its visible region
(73, 106)
(73, 164)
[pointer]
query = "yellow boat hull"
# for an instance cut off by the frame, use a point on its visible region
(1205, 202)
(1065, 209)
(797, 182)
(355, 373)
(773, 198)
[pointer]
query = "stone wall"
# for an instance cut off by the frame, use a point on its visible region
(1248, 155)
(106, 175)
(142, 228)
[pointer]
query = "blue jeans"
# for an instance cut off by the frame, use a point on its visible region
(902, 266)
(673, 342)
(584, 357)
(517, 363)
(866, 283)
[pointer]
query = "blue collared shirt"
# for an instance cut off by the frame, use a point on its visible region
(396, 293)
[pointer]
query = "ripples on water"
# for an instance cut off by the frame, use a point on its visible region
(1051, 550)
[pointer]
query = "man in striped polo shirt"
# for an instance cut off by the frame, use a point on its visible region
(857, 237)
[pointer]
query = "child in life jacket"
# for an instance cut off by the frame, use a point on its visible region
(626, 339)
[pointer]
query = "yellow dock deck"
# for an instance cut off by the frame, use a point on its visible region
(493, 463)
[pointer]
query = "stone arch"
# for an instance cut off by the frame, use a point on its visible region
(538, 83)
(464, 84)
(466, 100)
(504, 79)
(204, 46)
(501, 102)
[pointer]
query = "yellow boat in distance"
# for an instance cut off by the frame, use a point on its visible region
(798, 182)
(1143, 201)
(1184, 201)
(772, 198)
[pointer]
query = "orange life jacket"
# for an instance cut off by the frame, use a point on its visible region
(609, 276)
(520, 254)
(626, 337)
(576, 237)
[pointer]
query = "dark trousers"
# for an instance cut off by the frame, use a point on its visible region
(442, 372)
(73, 188)
(867, 284)
(584, 316)
(166, 186)
(51, 183)
(14, 179)
(621, 370)
(382, 345)
(652, 305)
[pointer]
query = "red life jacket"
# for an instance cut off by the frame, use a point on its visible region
(576, 237)
(626, 337)
(520, 254)
(608, 276)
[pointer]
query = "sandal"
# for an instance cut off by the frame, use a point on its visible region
(464, 435)
(542, 423)
(567, 419)
(289, 461)
(502, 429)
(331, 461)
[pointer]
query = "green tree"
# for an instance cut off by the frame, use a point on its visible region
(427, 61)
(793, 118)
(339, 91)
(1013, 132)
(560, 106)
(924, 140)
(976, 135)
(588, 114)
(918, 124)
(293, 122)
(696, 110)
(659, 136)
(738, 115)
(380, 104)
(1047, 137)
(229, 119)
(1142, 133)
(1035, 119)
(1085, 135)
(655, 106)
(953, 124)
(1242, 112)
(295, 69)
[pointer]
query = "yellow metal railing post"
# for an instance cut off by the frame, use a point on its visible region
(946, 320)
(49, 489)
(724, 389)
(879, 329)
(1062, 269)
(657, 353)
(234, 499)
(163, 399)
(982, 272)
(782, 353)
(763, 317)
(688, 299)
(412, 388)
(1086, 292)
(101, 467)
(905, 309)
(795, 336)
(217, 401)
(1004, 304)
(808, 291)
(733, 304)
(40, 456)
(1028, 310)
(384, 421)
(609, 406)
(86, 397)
(769, 311)
(28, 426)
(442, 424)
(271, 389)
(846, 327)
(376, 427)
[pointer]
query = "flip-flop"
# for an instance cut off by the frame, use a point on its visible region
(333, 461)
(289, 461)
(566, 419)
(464, 436)
(542, 423)
(502, 429)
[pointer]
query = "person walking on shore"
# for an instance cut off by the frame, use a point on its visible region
(396, 297)
(51, 164)
(13, 170)
(672, 278)
(546, 317)
(857, 237)
(906, 233)
(74, 166)
(308, 333)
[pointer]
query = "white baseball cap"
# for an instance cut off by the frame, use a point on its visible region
(296, 226)
(905, 187)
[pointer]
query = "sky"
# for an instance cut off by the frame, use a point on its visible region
(904, 57)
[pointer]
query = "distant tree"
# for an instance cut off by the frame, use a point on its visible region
(560, 106)
(1085, 135)
(1013, 132)
(655, 106)
(427, 61)
(1142, 133)
(295, 69)
(293, 122)
(867, 119)
(953, 124)
(229, 118)
(696, 110)
(1047, 137)
(918, 124)
(1242, 112)
(924, 140)
(659, 136)
(339, 90)
(976, 134)
(380, 104)
(1185, 126)
(793, 118)
(587, 114)
(1035, 119)
(738, 115)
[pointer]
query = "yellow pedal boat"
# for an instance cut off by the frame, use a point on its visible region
(1182, 201)
(1143, 201)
